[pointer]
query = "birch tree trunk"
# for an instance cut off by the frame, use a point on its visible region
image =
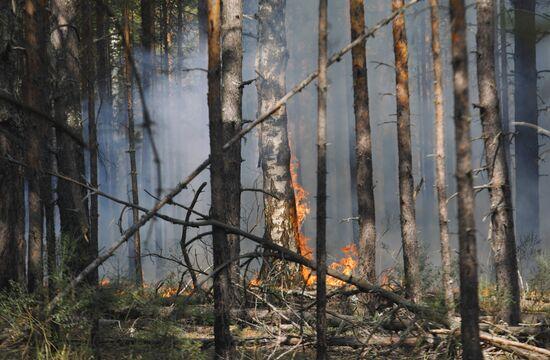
(271, 62)
(503, 241)
(469, 302)
(35, 93)
(406, 183)
(73, 211)
(232, 60)
(222, 282)
(135, 257)
(321, 243)
(526, 138)
(363, 147)
(440, 176)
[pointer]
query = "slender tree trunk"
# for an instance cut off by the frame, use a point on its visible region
(363, 144)
(469, 302)
(12, 207)
(202, 21)
(504, 101)
(411, 253)
(136, 256)
(35, 93)
(147, 41)
(67, 105)
(222, 281)
(232, 60)
(87, 59)
(321, 244)
(526, 139)
(502, 222)
(271, 62)
(440, 176)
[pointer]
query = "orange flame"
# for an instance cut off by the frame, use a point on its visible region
(105, 282)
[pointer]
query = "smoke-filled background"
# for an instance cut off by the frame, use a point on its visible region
(177, 102)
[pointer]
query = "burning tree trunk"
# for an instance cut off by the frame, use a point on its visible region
(406, 183)
(232, 59)
(526, 139)
(469, 302)
(88, 79)
(271, 60)
(73, 211)
(135, 257)
(222, 281)
(12, 207)
(321, 243)
(503, 241)
(440, 177)
(35, 85)
(363, 144)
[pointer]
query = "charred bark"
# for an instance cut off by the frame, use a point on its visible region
(135, 256)
(363, 147)
(469, 302)
(411, 253)
(321, 218)
(231, 77)
(503, 240)
(222, 282)
(526, 139)
(271, 62)
(440, 176)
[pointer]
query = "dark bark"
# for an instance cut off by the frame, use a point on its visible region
(526, 139)
(35, 94)
(503, 241)
(222, 282)
(411, 252)
(321, 216)
(70, 158)
(363, 147)
(135, 256)
(232, 60)
(469, 302)
(271, 62)
(147, 41)
(440, 175)
(202, 21)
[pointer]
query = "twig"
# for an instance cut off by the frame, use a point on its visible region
(540, 130)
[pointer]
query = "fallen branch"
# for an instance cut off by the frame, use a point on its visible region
(202, 166)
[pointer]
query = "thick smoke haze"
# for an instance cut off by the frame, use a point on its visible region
(177, 102)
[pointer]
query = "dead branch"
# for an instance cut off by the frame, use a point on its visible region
(540, 130)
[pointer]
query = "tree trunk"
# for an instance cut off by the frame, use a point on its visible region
(35, 93)
(503, 241)
(504, 101)
(222, 282)
(469, 302)
(440, 176)
(321, 243)
(70, 158)
(271, 62)
(363, 144)
(411, 253)
(135, 257)
(12, 206)
(147, 41)
(87, 59)
(202, 21)
(526, 139)
(232, 60)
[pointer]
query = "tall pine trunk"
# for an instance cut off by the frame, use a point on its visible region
(526, 139)
(469, 302)
(411, 253)
(271, 62)
(503, 241)
(232, 61)
(321, 218)
(147, 41)
(440, 176)
(363, 146)
(135, 256)
(222, 282)
(35, 85)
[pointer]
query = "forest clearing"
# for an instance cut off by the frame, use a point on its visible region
(274, 179)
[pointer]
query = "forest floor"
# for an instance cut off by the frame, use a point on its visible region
(270, 323)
